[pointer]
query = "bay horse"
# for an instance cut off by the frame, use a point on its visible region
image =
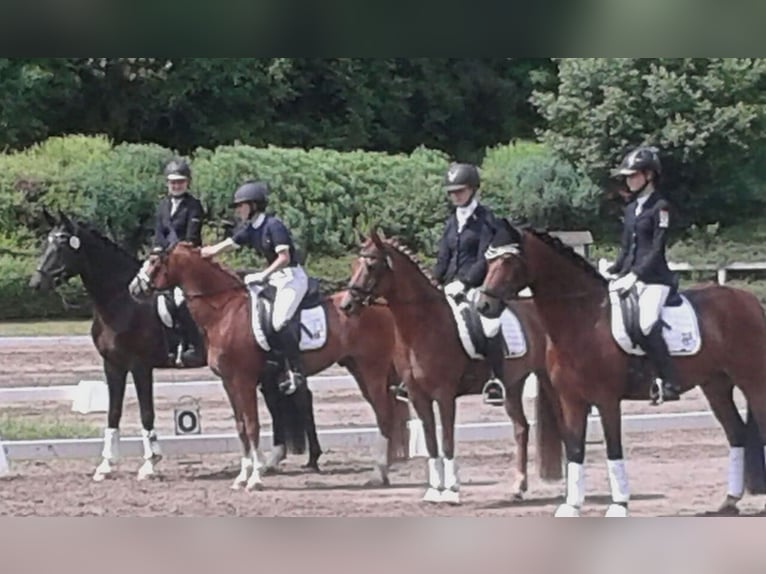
(130, 337)
(219, 303)
(588, 367)
(435, 367)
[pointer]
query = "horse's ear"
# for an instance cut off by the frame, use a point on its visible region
(376, 239)
(49, 219)
(66, 222)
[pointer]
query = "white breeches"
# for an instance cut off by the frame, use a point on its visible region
(292, 284)
(651, 299)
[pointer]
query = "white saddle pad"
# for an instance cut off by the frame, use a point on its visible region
(683, 337)
(313, 325)
(510, 324)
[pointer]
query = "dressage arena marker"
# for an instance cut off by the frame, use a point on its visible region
(340, 438)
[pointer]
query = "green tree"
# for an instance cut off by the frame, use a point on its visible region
(705, 115)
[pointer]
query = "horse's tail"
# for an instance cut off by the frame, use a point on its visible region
(549, 445)
(398, 444)
(295, 428)
(755, 465)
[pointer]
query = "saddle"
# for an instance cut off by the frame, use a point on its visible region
(631, 311)
(475, 330)
(309, 321)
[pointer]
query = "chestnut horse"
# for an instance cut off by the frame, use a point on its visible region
(588, 367)
(219, 303)
(436, 368)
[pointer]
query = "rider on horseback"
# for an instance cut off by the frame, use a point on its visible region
(461, 264)
(179, 218)
(269, 237)
(642, 263)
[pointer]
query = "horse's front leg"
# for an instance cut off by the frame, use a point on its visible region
(144, 380)
(575, 420)
(110, 454)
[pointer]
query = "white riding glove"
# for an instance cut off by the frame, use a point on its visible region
(454, 288)
(259, 278)
(623, 284)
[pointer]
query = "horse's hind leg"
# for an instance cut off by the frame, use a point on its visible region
(143, 380)
(272, 397)
(115, 382)
(515, 408)
(373, 382)
(719, 393)
(304, 399)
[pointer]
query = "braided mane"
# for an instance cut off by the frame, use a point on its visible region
(215, 264)
(394, 243)
(568, 253)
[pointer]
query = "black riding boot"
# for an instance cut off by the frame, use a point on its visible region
(191, 340)
(667, 388)
(289, 345)
(494, 391)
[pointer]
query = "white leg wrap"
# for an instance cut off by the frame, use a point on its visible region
(736, 472)
(151, 445)
(435, 477)
(618, 481)
(575, 484)
(254, 482)
(451, 481)
(111, 451)
(246, 465)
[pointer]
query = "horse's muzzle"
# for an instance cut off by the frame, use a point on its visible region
(348, 305)
(488, 306)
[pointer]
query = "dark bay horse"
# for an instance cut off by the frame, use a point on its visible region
(435, 368)
(220, 305)
(587, 366)
(130, 337)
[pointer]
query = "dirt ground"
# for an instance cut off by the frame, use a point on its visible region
(671, 472)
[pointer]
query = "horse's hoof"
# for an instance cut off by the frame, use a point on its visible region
(255, 486)
(567, 511)
(728, 508)
(377, 482)
(517, 496)
(450, 496)
(313, 466)
(98, 477)
(269, 471)
(432, 495)
(237, 485)
(616, 511)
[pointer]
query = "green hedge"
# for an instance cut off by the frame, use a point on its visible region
(526, 181)
(325, 196)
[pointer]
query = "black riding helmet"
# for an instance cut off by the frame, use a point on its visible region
(178, 169)
(256, 192)
(643, 158)
(460, 175)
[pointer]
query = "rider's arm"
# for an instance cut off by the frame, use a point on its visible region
(282, 260)
(616, 267)
(442, 259)
(220, 247)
